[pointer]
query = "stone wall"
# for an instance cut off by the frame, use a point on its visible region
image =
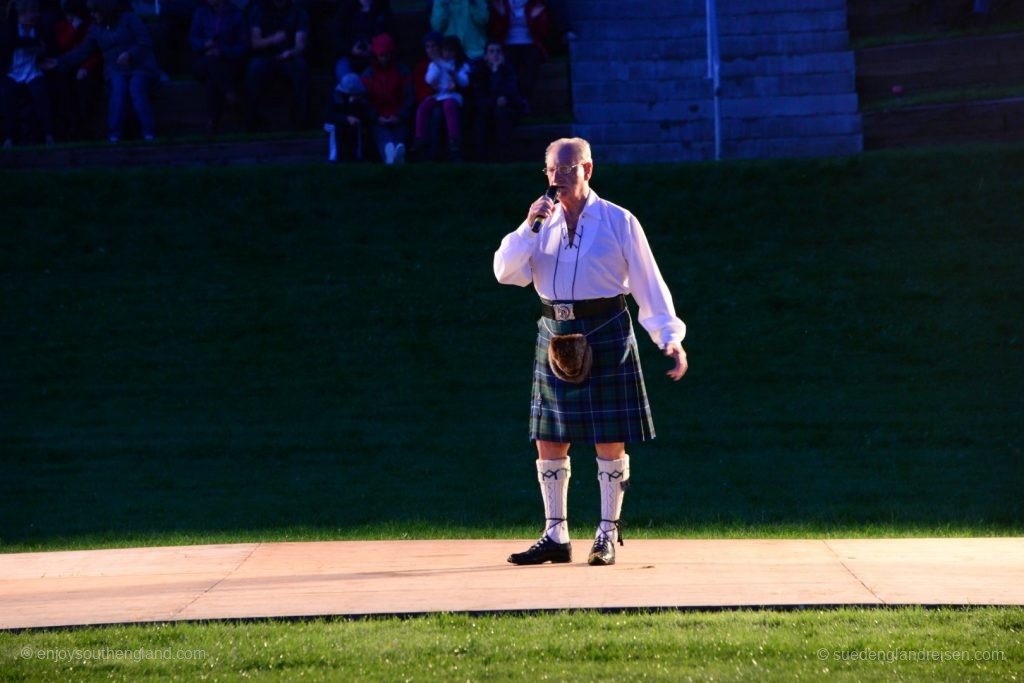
(641, 91)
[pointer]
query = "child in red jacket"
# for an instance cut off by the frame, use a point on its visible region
(389, 92)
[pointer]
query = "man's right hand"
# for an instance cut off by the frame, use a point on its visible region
(543, 207)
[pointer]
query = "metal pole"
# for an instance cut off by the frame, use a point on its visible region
(714, 72)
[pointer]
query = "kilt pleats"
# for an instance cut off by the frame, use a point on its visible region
(610, 405)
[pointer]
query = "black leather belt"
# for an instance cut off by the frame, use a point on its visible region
(586, 308)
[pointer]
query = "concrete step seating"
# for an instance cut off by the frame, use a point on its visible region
(982, 121)
(641, 86)
(965, 54)
(528, 145)
(181, 107)
(897, 17)
(968, 62)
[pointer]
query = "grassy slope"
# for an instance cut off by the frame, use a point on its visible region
(312, 352)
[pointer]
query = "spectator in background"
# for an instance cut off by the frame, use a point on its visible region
(76, 93)
(354, 25)
(521, 26)
(431, 52)
(348, 116)
(219, 42)
(389, 93)
(27, 43)
(175, 21)
(279, 30)
(447, 75)
(421, 90)
(129, 66)
(464, 19)
(496, 104)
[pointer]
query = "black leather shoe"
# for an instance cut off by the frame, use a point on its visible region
(602, 553)
(544, 550)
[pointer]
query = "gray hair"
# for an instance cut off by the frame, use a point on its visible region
(580, 147)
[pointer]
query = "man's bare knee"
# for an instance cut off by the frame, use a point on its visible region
(552, 450)
(611, 451)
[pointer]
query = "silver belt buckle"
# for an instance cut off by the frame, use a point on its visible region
(563, 312)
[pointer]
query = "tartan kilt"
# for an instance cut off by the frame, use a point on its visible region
(610, 405)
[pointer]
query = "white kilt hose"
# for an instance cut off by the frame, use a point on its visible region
(610, 405)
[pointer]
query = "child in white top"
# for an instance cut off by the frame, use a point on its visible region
(446, 75)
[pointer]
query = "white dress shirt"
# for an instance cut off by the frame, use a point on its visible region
(610, 256)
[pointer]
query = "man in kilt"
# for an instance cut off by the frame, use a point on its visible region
(587, 383)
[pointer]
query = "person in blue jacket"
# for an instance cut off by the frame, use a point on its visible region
(129, 64)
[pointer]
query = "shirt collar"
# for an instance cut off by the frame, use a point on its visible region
(589, 209)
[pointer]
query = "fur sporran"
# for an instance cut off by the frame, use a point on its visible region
(570, 357)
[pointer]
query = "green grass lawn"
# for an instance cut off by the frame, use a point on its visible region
(307, 352)
(851, 645)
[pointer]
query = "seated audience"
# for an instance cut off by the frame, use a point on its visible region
(355, 24)
(448, 76)
(25, 45)
(521, 26)
(279, 30)
(464, 19)
(421, 90)
(389, 93)
(496, 104)
(219, 40)
(75, 93)
(129, 66)
(348, 116)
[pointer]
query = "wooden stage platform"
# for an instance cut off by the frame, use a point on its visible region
(254, 580)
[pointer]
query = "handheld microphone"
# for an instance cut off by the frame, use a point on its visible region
(551, 193)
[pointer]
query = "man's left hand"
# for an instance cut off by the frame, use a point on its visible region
(675, 351)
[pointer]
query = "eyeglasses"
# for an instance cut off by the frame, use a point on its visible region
(559, 170)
